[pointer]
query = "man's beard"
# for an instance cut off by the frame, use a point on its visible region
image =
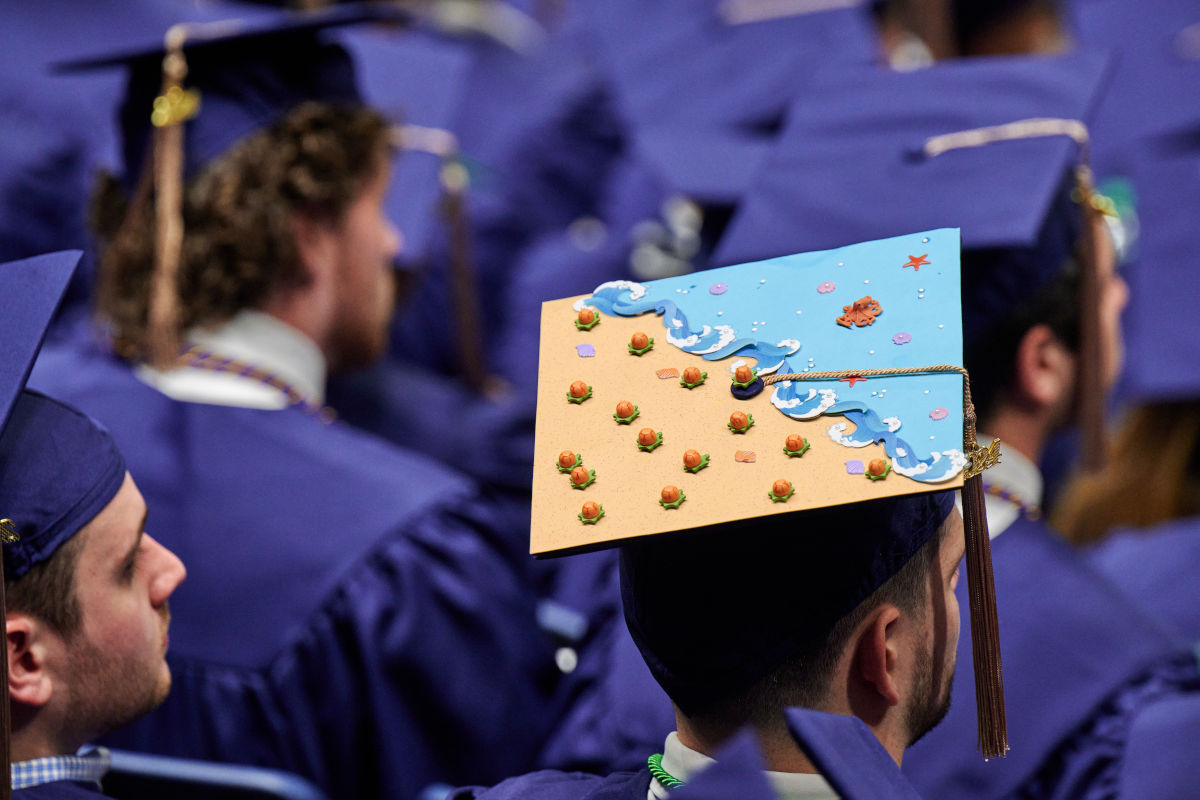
(108, 693)
(929, 701)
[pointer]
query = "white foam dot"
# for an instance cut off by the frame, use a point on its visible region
(685, 291)
(941, 326)
(764, 280)
(870, 352)
(720, 313)
(920, 297)
(753, 329)
(799, 312)
(866, 281)
(841, 263)
(930, 437)
(920, 290)
(926, 391)
(926, 239)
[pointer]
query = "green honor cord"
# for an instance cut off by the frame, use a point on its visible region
(668, 780)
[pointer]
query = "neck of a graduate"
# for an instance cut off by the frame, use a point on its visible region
(40, 733)
(1022, 431)
(780, 751)
(308, 309)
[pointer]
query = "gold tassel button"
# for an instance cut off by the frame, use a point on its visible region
(176, 106)
(8, 532)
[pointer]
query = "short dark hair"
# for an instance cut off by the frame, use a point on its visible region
(239, 245)
(47, 591)
(990, 357)
(803, 679)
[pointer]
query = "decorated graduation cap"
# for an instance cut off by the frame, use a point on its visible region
(845, 751)
(996, 147)
(203, 87)
(39, 468)
(689, 419)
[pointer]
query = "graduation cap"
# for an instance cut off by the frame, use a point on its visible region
(683, 418)
(1168, 187)
(46, 486)
(995, 147)
(1156, 80)
(850, 757)
(206, 85)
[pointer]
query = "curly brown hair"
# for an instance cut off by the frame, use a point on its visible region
(239, 244)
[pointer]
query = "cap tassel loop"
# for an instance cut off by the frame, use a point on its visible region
(1091, 373)
(981, 591)
(171, 110)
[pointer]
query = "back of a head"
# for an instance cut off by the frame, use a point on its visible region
(713, 612)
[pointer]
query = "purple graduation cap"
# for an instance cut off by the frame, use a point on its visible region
(55, 464)
(996, 147)
(203, 87)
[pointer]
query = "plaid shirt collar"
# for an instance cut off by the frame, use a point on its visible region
(89, 765)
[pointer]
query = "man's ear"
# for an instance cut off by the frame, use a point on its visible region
(1044, 368)
(314, 245)
(876, 653)
(29, 681)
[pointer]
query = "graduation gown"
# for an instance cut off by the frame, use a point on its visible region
(550, 785)
(56, 790)
(1080, 661)
(350, 614)
(1157, 567)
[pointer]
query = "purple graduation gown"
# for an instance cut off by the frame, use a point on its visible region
(1080, 661)
(59, 790)
(1157, 568)
(350, 613)
(550, 785)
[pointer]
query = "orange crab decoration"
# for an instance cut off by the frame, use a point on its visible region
(861, 312)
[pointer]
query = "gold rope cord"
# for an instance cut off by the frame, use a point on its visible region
(981, 589)
(168, 116)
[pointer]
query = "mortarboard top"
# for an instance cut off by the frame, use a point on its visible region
(779, 316)
(711, 165)
(247, 72)
(1168, 190)
(636, 438)
(32, 289)
(851, 162)
(850, 757)
(1156, 80)
(715, 62)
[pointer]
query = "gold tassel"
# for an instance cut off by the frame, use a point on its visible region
(1091, 390)
(981, 591)
(171, 110)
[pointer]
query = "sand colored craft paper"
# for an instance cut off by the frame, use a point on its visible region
(776, 316)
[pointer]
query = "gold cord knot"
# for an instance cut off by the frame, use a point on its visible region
(8, 532)
(176, 106)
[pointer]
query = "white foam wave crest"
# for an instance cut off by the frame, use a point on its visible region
(727, 335)
(636, 291)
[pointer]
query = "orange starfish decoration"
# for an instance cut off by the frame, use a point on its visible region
(916, 262)
(852, 380)
(862, 312)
